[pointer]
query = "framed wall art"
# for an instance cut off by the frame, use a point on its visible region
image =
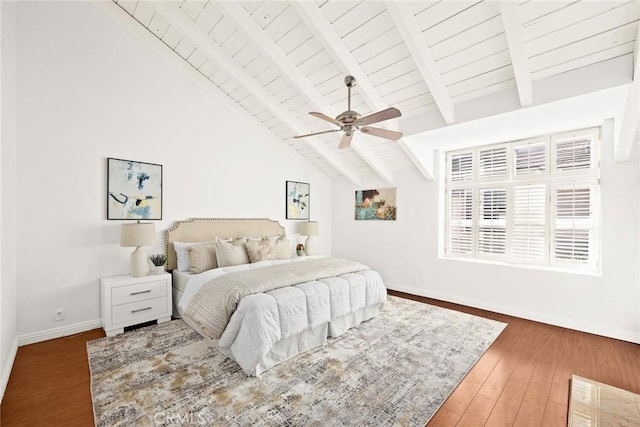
(134, 190)
(297, 199)
(378, 204)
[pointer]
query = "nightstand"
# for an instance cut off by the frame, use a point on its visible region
(127, 301)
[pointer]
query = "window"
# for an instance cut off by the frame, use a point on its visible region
(460, 221)
(526, 202)
(492, 221)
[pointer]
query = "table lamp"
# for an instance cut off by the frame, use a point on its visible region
(138, 235)
(309, 229)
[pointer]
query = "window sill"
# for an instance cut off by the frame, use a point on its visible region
(523, 266)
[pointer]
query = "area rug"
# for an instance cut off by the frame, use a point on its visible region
(397, 368)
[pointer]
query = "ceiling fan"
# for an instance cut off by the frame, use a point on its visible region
(350, 121)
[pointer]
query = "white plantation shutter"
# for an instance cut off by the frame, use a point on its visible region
(533, 201)
(460, 221)
(493, 162)
(574, 226)
(461, 166)
(530, 222)
(492, 221)
(530, 158)
(574, 152)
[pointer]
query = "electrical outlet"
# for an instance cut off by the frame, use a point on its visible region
(59, 315)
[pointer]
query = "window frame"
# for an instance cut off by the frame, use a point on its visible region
(551, 178)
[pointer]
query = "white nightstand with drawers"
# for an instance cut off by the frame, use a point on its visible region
(127, 301)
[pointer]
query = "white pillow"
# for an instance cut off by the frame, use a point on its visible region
(231, 253)
(182, 255)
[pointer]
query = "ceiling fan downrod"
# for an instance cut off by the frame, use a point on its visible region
(350, 82)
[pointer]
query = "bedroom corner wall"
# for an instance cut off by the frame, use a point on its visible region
(406, 253)
(8, 329)
(88, 90)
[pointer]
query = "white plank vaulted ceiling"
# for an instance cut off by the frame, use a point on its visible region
(276, 61)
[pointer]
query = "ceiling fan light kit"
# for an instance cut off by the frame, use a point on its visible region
(350, 121)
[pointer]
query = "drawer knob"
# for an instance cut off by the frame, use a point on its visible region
(141, 292)
(141, 309)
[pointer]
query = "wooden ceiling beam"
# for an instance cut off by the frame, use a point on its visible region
(119, 15)
(419, 48)
(314, 18)
(246, 24)
(258, 37)
(518, 50)
(335, 46)
(181, 22)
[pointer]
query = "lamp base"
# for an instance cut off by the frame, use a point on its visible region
(139, 263)
(309, 246)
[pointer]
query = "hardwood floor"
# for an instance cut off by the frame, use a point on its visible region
(522, 380)
(524, 377)
(49, 384)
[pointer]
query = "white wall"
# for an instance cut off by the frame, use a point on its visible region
(406, 253)
(8, 329)
(88, 90)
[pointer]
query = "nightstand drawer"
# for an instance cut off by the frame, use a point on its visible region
(140, 310)
(141, 291)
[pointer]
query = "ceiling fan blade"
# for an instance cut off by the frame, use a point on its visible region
(318, 133)
(382, 133)
(346, 140)
(380, 116)
(325, 117)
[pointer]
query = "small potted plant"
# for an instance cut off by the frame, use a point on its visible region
(158, 261)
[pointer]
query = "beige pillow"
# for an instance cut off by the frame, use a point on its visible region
(231, 253)
(202, 257)
(261, 250)
(182, 253)
(283, 247)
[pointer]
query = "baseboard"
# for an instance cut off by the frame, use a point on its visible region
(523, 314)
(63, 331)
(6, 369)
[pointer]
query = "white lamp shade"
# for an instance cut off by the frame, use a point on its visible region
(309, 228)
(138, 234)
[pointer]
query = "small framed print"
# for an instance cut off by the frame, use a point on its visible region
(134, 190)
(297, 200)
(376, 204)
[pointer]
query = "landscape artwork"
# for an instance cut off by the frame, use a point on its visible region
(379, 204)
(134, 190)
(297, 200)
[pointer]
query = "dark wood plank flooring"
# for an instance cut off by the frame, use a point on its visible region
(522, 380)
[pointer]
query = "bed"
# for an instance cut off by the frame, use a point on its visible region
(240, 288)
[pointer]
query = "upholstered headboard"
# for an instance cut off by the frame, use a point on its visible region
(207, 229)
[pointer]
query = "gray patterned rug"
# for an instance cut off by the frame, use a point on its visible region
(397, 368)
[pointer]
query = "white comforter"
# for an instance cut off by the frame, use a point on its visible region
(196, 281)
(268, 328)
